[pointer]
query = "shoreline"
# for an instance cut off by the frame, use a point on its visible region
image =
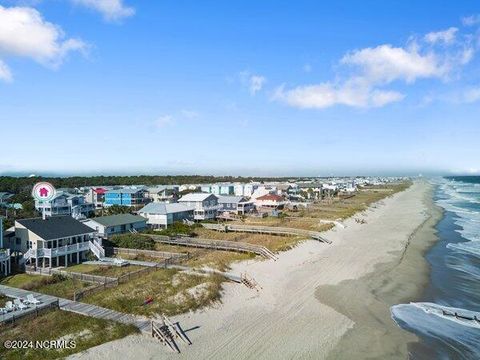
(376, 335)
(317, 300)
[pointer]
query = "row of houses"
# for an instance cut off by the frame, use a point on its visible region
(81, 203)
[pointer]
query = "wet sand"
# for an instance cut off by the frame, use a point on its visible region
(318, 301)
(375, 335)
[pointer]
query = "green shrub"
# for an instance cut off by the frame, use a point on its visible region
(132, 241)
(179, 228)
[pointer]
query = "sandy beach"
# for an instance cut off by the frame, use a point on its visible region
(318, 300)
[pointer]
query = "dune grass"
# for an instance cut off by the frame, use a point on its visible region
(172, 293)
(103, 270)
(85, 331)
(54, 285)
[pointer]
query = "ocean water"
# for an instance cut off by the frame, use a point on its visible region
(455, 279)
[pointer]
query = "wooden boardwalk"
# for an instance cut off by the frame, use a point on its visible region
(216, 245)
(272, 230)
(143, 324)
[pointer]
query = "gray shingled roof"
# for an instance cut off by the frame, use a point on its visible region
(56, 227)
(162, 208)
(117, 220)
(230, 199)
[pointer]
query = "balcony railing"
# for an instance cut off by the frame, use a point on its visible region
(62, 250)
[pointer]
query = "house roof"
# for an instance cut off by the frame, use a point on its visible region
(124, 191)
(55, 227)
(117, 220)
(195, 197)
(156, 189)
(271, 197)
(100, 191)
(162, 208)
(230, 199)
(309, 185)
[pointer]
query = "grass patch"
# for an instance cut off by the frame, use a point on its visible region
(54, 285)
(103, 270)
(60, 325)
(172, 292)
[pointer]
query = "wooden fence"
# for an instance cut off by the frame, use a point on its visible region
(96, 279)
(79, 294)
(149, 253)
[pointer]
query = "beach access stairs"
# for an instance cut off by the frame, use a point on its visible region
(167, 332)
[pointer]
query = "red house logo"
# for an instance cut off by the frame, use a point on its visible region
(44, 192)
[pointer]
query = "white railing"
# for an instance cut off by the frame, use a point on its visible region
(67, 249)
(93, 245)
(97, 249)
(26, 256)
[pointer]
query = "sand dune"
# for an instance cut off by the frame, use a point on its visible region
(317, 299)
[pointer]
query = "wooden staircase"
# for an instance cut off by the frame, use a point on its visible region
(250, 282)
(167, 332)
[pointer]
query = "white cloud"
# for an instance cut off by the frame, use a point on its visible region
(325, 95)
(24, 33)
(445, 36)
(163, 121)
(253, 82)
(464, 96)
(364, 74)
(471, 20)
(5, 73)
(112, 10)
(471, 95)
(256, 83)
(385, 63)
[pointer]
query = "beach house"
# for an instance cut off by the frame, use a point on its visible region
(96, 196)
(55, 241)
(235, 204)
(205, 205)
(270, 201)
(160, 215)
(66, 204)
(134, 197)
(163, 193)
(107, 226)
(218, 189)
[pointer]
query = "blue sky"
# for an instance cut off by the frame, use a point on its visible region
(239, 87)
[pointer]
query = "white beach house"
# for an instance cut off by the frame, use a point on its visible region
(160, 214)
(55, 241)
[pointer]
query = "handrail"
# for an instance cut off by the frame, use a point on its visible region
(216, 244)
(267, 229)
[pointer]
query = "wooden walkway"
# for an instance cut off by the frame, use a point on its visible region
(273, 230)
(143, 324)
(215, 245)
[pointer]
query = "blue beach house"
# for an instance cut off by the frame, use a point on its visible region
(126, 197)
